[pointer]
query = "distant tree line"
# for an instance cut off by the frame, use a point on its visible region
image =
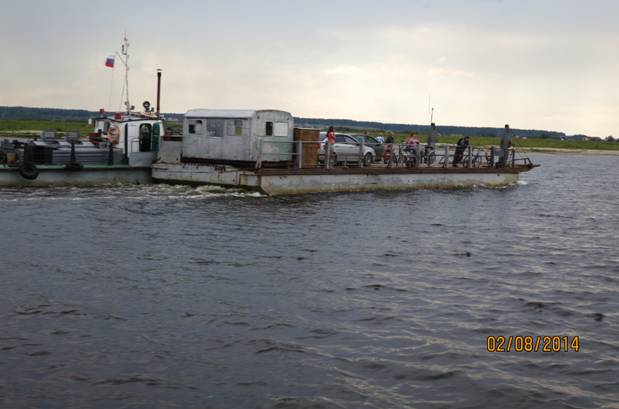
(424, 129)
(55, 114)
(48, 114)
(83, 115)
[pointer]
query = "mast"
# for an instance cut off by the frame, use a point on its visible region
(124, 58)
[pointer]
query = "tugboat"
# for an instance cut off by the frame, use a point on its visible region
(119, 150)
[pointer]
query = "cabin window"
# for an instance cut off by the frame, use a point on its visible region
(269, 129)
(237, 127)
(215, 127)
(281, 129)
(195, 126)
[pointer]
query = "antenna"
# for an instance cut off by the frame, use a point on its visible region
(430, 108)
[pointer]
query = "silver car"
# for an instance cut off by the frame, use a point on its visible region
(346, 149)
(372, 143)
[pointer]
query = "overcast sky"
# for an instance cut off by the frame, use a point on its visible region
(533, 64)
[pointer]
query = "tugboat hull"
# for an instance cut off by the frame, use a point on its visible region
(89, 175)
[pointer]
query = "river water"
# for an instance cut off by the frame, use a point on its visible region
(175, 297)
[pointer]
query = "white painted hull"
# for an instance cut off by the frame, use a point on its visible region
(282, 182)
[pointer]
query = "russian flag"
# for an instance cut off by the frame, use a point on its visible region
(109, 62)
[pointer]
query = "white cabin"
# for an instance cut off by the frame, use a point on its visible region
(237, 135)
(136, 135)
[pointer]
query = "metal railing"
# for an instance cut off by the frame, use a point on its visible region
(296, 154)
(443, 155)
(396, 156)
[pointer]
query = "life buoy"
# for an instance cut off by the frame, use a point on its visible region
(28, 171)
(113, 134)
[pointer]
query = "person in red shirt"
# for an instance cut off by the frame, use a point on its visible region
(329, 145)
(413, 140)
(331, 135)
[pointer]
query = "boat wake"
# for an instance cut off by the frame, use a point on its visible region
(126, 193)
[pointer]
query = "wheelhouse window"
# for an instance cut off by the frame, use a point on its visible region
(269, 129)
(104, 126)
(196, 126)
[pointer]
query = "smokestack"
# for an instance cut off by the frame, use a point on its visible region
(158, 89)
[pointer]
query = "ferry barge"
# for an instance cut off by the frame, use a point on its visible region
(261, 150)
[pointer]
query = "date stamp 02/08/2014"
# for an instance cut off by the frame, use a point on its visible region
(532, 343)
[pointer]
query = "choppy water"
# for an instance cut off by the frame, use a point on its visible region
(168, 296)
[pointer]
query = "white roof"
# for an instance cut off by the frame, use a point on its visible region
(221, 113)
(228, 113)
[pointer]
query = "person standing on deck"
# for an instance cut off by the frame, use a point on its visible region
(329, 146)
(506, 143)
(432, 139)
(433, 135)
(388, 147)
(462, 145)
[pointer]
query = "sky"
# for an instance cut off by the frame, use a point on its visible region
(541, 64)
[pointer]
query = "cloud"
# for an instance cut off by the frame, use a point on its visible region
(481, 62)
(443, 72)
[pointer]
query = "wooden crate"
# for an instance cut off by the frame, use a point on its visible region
(309, 155)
